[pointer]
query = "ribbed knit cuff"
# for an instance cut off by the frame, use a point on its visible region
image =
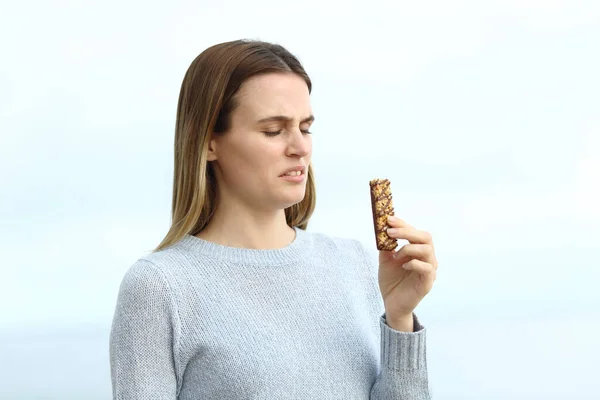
(403, 350)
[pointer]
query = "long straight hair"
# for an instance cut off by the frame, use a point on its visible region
(206, 100)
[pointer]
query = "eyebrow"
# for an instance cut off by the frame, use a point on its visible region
(283, 118)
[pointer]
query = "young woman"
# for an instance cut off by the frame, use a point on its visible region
(239, 301)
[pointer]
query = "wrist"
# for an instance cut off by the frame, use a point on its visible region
(402, 323)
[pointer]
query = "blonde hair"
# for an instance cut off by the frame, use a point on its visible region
(206, 100)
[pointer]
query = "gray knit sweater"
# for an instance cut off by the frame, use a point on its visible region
(199, 320)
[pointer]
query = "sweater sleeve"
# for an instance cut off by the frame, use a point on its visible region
(142, 341)
(403, 373)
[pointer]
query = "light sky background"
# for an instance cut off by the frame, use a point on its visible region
(485, 116)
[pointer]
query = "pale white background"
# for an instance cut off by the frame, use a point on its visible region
(485, 115)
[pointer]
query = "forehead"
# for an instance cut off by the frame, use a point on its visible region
(273, 94)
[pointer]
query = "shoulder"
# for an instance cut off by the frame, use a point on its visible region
(144, 279)
(169, 269)
(153, 273)
(168, 262)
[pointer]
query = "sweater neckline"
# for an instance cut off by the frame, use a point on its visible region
(299, 248)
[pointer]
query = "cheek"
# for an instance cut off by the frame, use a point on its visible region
(309, 146)
(253, 161)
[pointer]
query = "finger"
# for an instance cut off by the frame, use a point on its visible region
(422, 268)
(410, 234)
(396, 222)
(423, 252)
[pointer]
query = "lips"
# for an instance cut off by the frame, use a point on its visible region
(294, 171)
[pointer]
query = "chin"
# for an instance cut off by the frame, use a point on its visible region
(293, 197)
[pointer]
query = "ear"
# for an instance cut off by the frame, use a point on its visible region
(212, 150)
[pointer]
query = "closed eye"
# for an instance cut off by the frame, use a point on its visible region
(275, 133)
(272, 133)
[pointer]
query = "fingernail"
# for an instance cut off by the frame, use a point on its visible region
(391, 218)
(391, 231)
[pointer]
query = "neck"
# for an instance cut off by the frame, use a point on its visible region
(235, 227)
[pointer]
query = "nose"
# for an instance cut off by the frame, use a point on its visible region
(299, 144)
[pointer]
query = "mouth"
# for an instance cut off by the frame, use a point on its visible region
(297, 171)
(294, 173)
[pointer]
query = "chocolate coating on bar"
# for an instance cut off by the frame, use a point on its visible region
(381, 203)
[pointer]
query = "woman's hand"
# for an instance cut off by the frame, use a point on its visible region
(407, 275)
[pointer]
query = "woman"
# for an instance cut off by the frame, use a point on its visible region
(239, 301)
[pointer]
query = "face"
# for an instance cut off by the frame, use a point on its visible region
(269, 135)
